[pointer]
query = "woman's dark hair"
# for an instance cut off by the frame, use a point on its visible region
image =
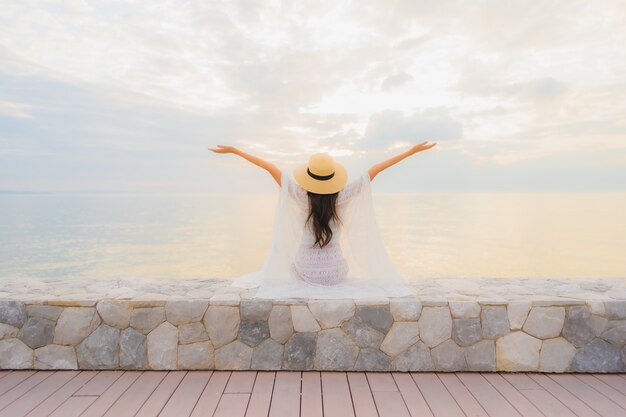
(322, 209)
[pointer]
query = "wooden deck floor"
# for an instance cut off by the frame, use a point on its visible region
(308, 394)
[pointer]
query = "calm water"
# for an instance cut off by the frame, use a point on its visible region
(432, 235)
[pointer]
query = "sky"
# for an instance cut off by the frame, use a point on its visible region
(112, 96)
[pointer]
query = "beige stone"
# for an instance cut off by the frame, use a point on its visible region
(281, 327)
(222, 324)
(556, 355)
(331, 313)
(545, 322)
(196, 356)
(303, 320)
(75, 324)
(517, 312)
(401, 336)
(163, 346)
(464, 309)
(435, 325)
(405, 309)
(115, 313)
(517, 352)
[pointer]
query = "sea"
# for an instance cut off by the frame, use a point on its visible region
(427, 235)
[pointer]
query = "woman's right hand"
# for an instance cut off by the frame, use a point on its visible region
(422, 147)
(223, 149)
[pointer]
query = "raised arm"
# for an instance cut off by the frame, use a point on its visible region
(376, 169)
(268, 166)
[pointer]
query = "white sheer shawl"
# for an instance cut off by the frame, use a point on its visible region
(370, 273)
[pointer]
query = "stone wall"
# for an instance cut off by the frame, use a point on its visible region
(229, 332)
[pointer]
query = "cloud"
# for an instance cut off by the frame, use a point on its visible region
(388, 127)
(394, 81)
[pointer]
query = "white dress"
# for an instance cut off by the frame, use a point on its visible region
(354, 265)
(327, 265)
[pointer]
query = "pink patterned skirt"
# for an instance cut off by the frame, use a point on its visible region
(321, 266)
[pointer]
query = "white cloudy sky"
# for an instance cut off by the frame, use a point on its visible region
(127, 95)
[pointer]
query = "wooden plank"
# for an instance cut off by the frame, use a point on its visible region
(362, 399)
(155, 403)
(311, 398)
(32, 398)
(547, 403)
(462, 395)
(381, 382)
(570, 401)
(513, 396)
(490, 399)
(187, 394)
(59, 397)
(100, 383)
(598, 402)
(22, 388)
(336, 395)
(616, 381)
(13, 379)
(110, 396)
(261, 396)
(240, 382)
(390, 404)
(210, 397)
(436, 394)
(4, 373)
(286, 397)
(232, 405)
(520, 381)
(74, 406)
(132, 400)
(606, 389)
(412, 396)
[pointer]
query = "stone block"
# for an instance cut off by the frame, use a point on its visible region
(13, 313)
(481, 356)
(14, 354)
(448, 357)
(415, 359)
(192, 333)
(377, 317)
(234, 356)
(517, 312)
(435, 325)
(185, 311)
(556, 355)
(147, 319)
(405, 309)
(464, 309)
(400, 337)
(300, 352)
(44, 311)
(75, 324)
(362, 334)
(615, 333)
(100, 350)
(133, 349)
(37, 332)
(55, 357)
(495, 322)
(280, 324)
(115, 313)
(253, 332)
(303, 320)
(517, 352)
(196, 356)
(373, 360)
(268, 355)
(597, 356)
(7, 331)
(222, 324)
(163, 346)
(466, 332)
(254, 310)
(545, 322)
(615, 310)
(578, 327)
(331, 313)
(335, 350)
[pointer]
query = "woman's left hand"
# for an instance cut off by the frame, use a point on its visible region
(223, 149)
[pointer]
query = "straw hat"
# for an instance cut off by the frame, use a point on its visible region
(321, 175)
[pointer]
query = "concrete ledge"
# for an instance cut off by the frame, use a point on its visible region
(449, 325)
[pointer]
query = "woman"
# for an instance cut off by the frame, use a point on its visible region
(325, 243)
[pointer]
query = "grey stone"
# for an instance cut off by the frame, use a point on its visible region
(466, 332)
(377, 317)
(13, 313)
(14, 354)
(303, 320)
(331, 313)
(362, 334)
(75, 324)
(335, 350)
(518, 312)
(133, 349)
(234, 356)
(37, 332)
(281, 327)
(268, 355)
(545, 322)
(196, 356)
(599, 324)
(401, 335)
(517, 352)
(414, 359)
(7, 331)
(55, 357)
(405, 309)
(448, 357)
(147, 319)
(495, 322)
(597, 356)
(44, 311)
(253, 332)
(615, 310)
(300, 352)
(163, 346)
(100, 350)
(435, 325)
(578, 327)
(371, 359)
(115, 313)
(222, 324)
(481, 357)
(556, 355)
(464, 309)
(615, 333)
(254, 310)
(185, 311)
(192, 333)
